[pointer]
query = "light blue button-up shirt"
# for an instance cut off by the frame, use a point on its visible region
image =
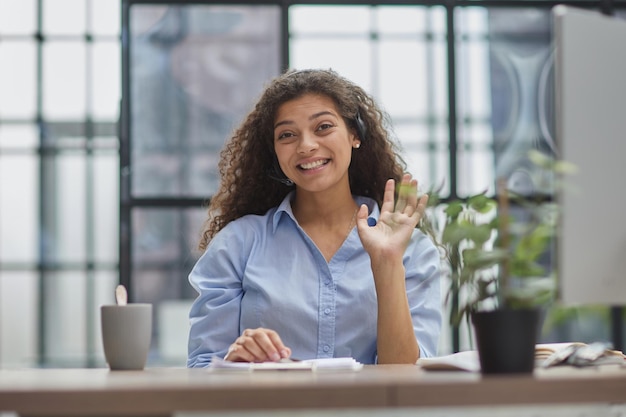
(264, 271)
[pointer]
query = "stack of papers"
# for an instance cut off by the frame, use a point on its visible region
(461, 361)
(578, 354)
(546, 355)
(323, 364)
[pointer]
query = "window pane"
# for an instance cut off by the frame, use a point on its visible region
(104, 17)
(155, 286)
(320, 37)
(165, 237)
(64, 80)
(65, 318)
(475, 171)
(425, 150)
(473, 94)
(105, 207)
(473, 21)
(404, 89)
(474, 88)
(19, 208)
(104, 283)
(17, 17)
(164, 251)
(400, 19)
(584, 323)
(165, 240)
(70, 207)
(18, 81)
(64, 17)
(504, 65)
(18, 136)
(105, 81)
(439, 79)
(173, 331)
(195, 71)
(474, 98)
(329, 19)
(203, 172)
(19, 304)
(103, 143)
(331, 53)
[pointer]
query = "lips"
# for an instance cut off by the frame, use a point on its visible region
(314, 164)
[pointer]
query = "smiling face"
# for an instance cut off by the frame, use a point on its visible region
(312, 143)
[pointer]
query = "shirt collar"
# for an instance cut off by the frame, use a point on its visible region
(284, 208)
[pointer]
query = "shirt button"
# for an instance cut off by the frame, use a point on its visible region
(327, 282)
(327, 311)
(326, 348)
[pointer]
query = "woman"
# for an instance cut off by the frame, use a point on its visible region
(284, 271)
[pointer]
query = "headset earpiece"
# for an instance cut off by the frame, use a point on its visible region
(361, 129)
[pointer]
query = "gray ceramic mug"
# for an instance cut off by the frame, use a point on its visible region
(126, 335)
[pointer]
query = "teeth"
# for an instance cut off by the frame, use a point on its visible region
(312, 165)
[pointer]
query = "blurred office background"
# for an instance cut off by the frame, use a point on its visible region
(93, 192)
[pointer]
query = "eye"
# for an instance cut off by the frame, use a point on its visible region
(325, 126)
(285, 135)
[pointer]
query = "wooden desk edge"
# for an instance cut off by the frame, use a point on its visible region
(165, 392)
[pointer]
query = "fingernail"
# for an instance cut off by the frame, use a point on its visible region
(275, 357)
(284, 353)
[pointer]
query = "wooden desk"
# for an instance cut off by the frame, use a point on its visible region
(163, 391)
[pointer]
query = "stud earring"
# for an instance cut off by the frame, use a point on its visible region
(358, 145)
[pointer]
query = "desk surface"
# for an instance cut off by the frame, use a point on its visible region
(163, 391)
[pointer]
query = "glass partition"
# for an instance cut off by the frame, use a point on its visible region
(99, 187)
(194, 71)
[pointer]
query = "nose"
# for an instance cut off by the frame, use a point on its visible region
(307, 144)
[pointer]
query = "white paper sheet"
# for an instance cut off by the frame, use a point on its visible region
(307, 365)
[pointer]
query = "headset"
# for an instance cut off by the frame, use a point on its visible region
(361, 129)
(277, 174)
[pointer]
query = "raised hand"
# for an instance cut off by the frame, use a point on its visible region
(389, 238)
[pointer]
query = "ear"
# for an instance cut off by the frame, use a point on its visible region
(353, 136)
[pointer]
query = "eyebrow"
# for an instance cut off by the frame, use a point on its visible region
(312, 117)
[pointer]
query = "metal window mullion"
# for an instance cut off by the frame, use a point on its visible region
(90, 317)
(125, 235)
(285, 35)
(452, 123)
(41, 328)
(452, 114)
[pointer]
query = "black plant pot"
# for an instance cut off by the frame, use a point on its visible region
(506, 340)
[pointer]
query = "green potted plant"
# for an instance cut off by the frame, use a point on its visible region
(497, 282)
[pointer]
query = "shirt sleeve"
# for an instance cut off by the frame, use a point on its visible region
(214, 315)
(423, 269)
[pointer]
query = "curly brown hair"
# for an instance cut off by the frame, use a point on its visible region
(248, 161)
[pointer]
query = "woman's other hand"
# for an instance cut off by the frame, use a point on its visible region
(390, 236)
(258, 345)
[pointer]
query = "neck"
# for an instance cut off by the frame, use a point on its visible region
(310, 208)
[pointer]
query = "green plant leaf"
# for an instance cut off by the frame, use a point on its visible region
(477, 259)
(533, 244)
(541, 160)
(454, 209)
(526, 268)
(481, 203)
